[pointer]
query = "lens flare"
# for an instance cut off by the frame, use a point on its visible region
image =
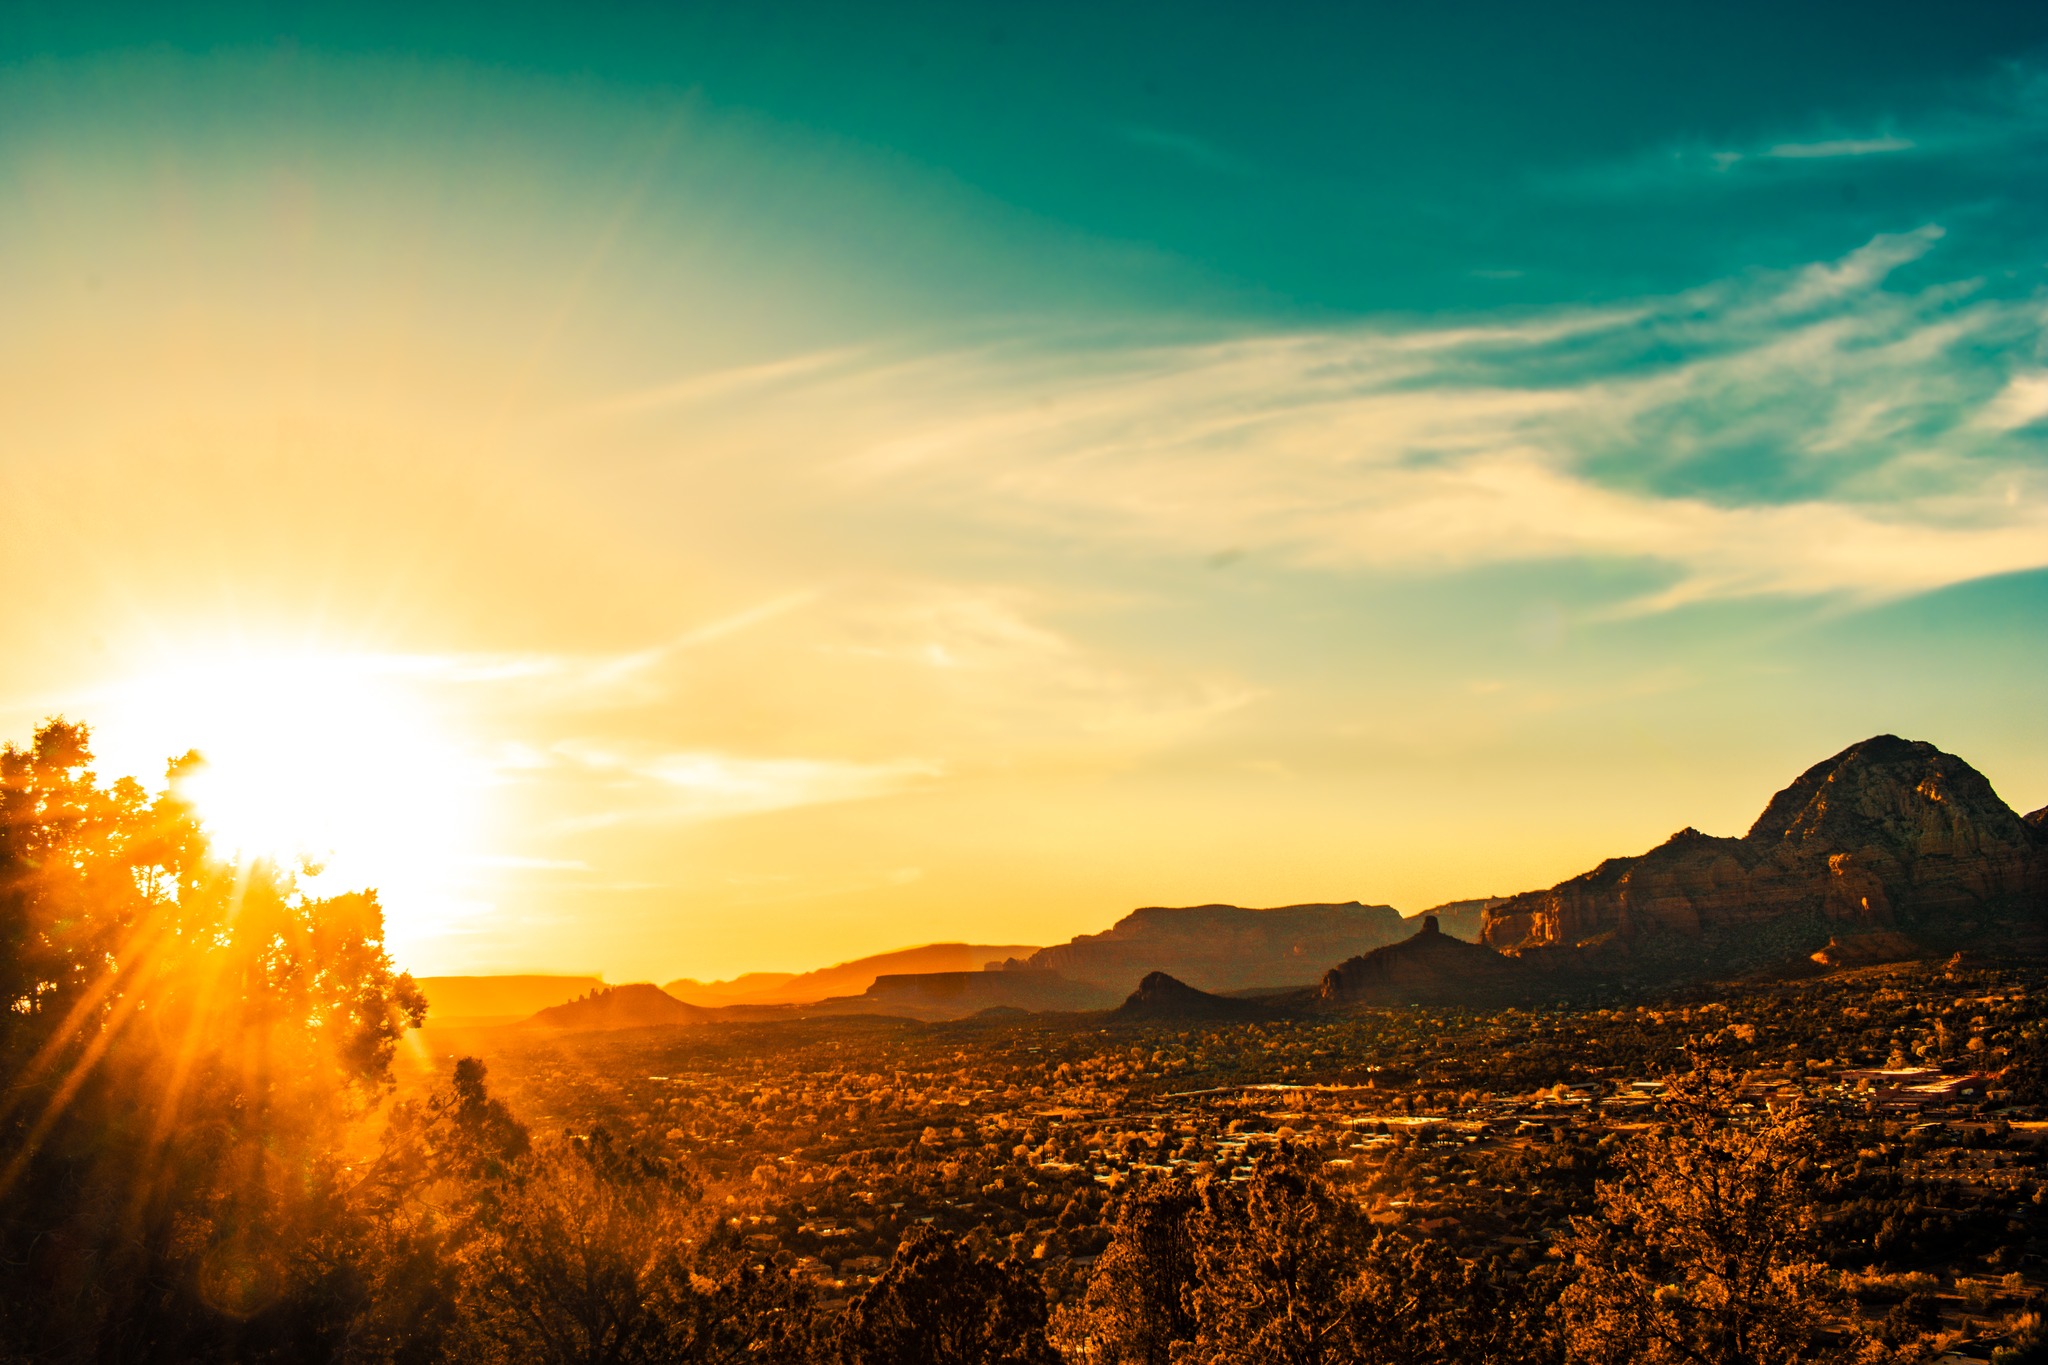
(335, 764)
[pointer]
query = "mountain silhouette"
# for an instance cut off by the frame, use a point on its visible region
(1429, 969)
(641, 1004)
(1224, 947)
(1160, 996)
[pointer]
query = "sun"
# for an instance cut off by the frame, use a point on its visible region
(338, 765)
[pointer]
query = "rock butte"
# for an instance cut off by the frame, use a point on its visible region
(1888, 834)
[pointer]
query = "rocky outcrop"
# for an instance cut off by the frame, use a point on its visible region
(640, 1005)
(1459, 919)
(1224, 947)
(1888, 833)
(1864, 949)
(2038, 821)
(1432, 968)
(1162, 997)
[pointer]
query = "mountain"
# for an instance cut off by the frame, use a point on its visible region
(846, 978)
(2038, 820)
(748, 988)
(1223, 947)
(1431, 968)
(1459, 919)
(639, 1005)
(956, 995)
(1161, 997)
(1890, 833)
(473, 1000)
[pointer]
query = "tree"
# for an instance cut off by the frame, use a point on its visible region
(1703, 1250)
(571, 1268)
(1279, 1274)
(939, 1304)
(184, 1041)
(1139, 1301)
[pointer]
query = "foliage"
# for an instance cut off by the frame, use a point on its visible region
(941, 1304)
(1703, 1249)
(1282, 1267)
(185, 1040)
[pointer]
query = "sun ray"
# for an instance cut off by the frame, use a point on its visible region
(338, 766)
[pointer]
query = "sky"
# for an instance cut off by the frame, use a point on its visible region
(669, 490)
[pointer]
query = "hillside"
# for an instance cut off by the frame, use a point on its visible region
(845, 978)
(1889, 833)
(1224, 947)
(1160, 997)
(641, 1004)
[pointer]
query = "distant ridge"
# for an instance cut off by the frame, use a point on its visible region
(498, 999)
(641, 1004)
(745, 989)
(1224, 947)
(845, 978)
(956, 995)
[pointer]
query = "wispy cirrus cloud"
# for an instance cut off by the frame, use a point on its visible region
(1806, 432)
(864, 689)
(1829, 148)
(1185, 148)
(671, 787)
(1987, 124)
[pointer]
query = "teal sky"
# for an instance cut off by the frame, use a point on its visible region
(827, 478)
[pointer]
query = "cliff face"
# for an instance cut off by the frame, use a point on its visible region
(1887, 832)
(1224, 947)
(1430, 968)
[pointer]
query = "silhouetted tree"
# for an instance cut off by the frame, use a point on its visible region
(184, 1041)
(939, 1304)
(1139, 1301)
(1278, 1270)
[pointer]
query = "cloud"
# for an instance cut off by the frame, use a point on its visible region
(1860, 270)
(680, 787)
(1182, 147)
(1987, 124)
(2022, 402)
(1809, 432)
(1837, 147)
(862, 690)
